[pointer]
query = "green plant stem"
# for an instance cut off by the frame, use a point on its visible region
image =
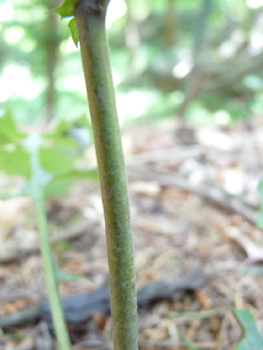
(90, 21)
(49, 270)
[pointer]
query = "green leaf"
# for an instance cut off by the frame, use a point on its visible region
(70, 277)
(79, 130)
(57, 187)
(61, 276)
(73, 31)
(54, 156)
(260, 214)
(252, 339)
(60, 129)
(8, 130)
(14, 160)
(58, 156)
(60, 185)
(67, 8)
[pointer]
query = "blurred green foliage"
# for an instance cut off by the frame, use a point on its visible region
(58, 155)
(207, 53)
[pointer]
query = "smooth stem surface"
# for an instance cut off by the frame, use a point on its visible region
(90, 20)
(52, 287)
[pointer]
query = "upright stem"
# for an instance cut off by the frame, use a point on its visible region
(48, 264)
(90, 20)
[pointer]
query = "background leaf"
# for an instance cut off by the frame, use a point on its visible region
(60, 157)
(8, 128)
(14, 160)
(58, 152)
(252, 339)
(59, 185)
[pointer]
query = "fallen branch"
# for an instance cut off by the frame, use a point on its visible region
(253, 251)
(212, 195)
(164, 155)
(79, 308)
(74, 230)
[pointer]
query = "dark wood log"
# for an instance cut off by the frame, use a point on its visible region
(79, 308)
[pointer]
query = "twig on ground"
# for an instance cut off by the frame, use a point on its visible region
(74, 230)
(213, 195)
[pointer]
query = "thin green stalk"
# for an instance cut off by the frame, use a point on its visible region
(90, 21)
(49, 270)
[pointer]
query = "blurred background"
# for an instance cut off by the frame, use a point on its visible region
(193, 60)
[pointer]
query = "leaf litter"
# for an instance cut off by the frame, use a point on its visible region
(178, 226)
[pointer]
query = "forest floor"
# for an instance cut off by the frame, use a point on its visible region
(194, 204)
